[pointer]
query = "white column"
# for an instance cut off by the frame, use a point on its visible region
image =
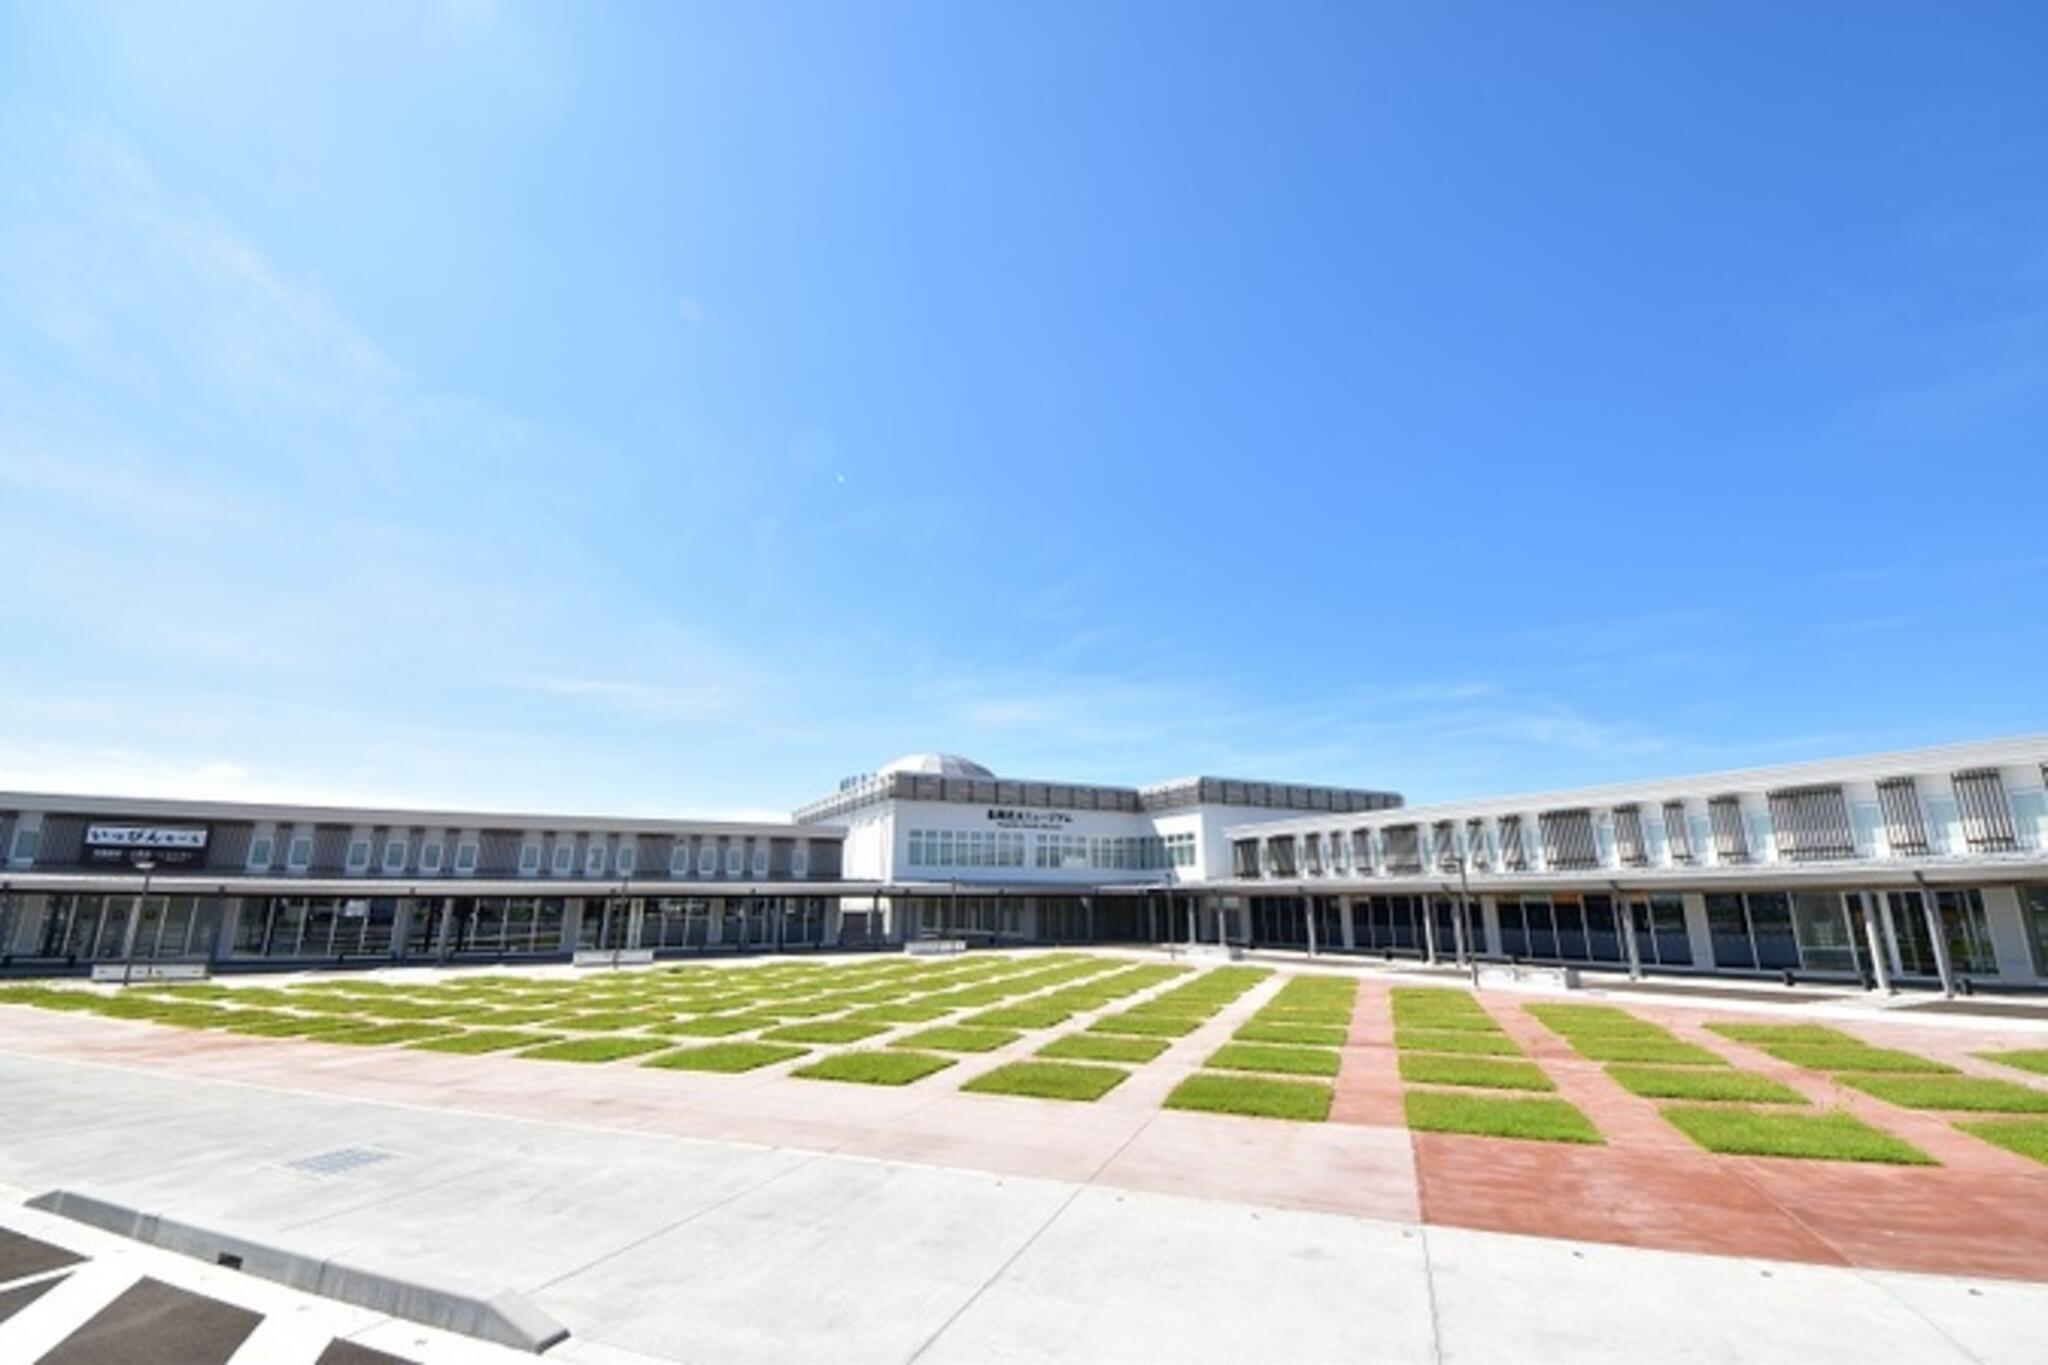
(2008, 926)
(1696, 931)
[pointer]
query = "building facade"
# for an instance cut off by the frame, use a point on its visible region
(1916, 868)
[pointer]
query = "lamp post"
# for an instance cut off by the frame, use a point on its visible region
(145, 865)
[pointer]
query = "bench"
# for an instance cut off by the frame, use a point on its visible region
(612, 957)
(137, 973)
(935, 947)
(1519, 976)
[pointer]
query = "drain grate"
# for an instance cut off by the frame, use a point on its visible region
(339, 1160)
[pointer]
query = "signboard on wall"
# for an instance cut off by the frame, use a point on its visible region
(168, 845)
(1012, 818)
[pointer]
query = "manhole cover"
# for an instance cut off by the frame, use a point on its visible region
(339, 1160)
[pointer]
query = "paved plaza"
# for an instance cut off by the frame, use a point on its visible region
(664, 1212)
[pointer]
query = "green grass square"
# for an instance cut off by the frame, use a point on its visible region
(1259, 1030)
(2034, 1059)
(1253, 1096)
(1104, 1047)
(1432, 1068)
(1703, 1083)
(1836, 1135)
(377, 1035)
(1026, 1016)
(596, 1049)
(824, 1031)
(874, 1067)
(2023, 1137)
(609, 1021)
(1856, 1057)
(1456, 1040)
(1146, 1025)
(485, 1040)
(1290, 1061)
(1049, 1081)
(1532, 1120)
(1571, 1019)
(1614, 1047)
(727, 1057)
(711, 1026)
(292, 1025)
(955, 1038)
(1965, 1093)
(903, 1012)
(1811, 1034)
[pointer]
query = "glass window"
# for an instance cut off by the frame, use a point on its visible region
(734, 864)
(465, 856)
(1969, 936)
(628, 855)
(1542, 928)
(1571, 929)
(1603, 936)
(1770, 924)
(358, 855)
(1730, 931)
(430, 856)
(594, 854)
(1826, 931)
(760, 860)
(299, 856)
(529, 856)
(707, 859)
(679, 859)
(565, 857)
(2034, 910)
(1514, 931)
(394, 855)
(800, 861)
(27, 844)
(261, 849)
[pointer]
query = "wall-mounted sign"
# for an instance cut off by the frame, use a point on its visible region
(168, 845)
(1028, 819)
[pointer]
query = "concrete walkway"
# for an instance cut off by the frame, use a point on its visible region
(1082, 1233)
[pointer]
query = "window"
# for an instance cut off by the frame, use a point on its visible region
(1812, 823)
(1475, 845)
(1729, 928)
(1513, 857)
(1905, 820)
(1826, 928)
(1963, 930)
(1987, 818)
(1677, 833)
(1568, 839)
(1661, 937)
(707, 859)
(1628, 837)
(565, 857)
(358, 855)
(1731, 840)
(594, 856)
(28, 842)
(1444, 835)
(1361, 850)
(394, 855)
(261, 849)
(628, 855)
(465, 856)
(1244, 857)
(529, 858)
(1403, 844)
(299, 855)
(800, 858)
(2034, 910)
(679, 859)
(430, 856)
(1280, 851)
(760, 860)
(734, 859)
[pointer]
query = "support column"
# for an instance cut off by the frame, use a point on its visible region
(1625, 920)
(1873, 936)
(1308, 919)
(1489, 924)
(444, 936)
(1932, 912)
(1191, 922)
(1344, 930)
(1428, 907)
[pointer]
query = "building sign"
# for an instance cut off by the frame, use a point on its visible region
(1012, 818)
(169, 845)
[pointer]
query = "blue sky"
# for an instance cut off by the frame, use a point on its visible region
(673, 408)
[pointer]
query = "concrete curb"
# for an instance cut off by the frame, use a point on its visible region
(505, 1318)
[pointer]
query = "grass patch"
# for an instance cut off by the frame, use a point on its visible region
(2034, 1059)
(906, 1012)
(1031, 1015)
(608, 1021)
(1049, 1081)
(1435, 1008)
(1290, 1061)
(824, 1031)
(1147, 1025)
(711, 1026)
(1784, 1033)
(1571, 1019)
(1256, 1097)
(1305, 1035)
(1532, 1120)
(1972, 1093)
(1324, 1018)
(1104, 1047)
(874, 1068)
(594, 1049)
(292, 1026)
(1856, 1057)
(1665, 1051)
(1833, 1136)
(1703, 1083)
(1427, 1068)
(376, 1035)
(2024, 1137)
(954, 1038)
(1456, 1040)
(727, 1057)
(486, 1040)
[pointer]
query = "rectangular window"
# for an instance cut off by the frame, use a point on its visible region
(394, 855)
(707, 859)
(1280, 850)
(27, 844)
(1812, 824)
(1244, 857)
(529, 858)
(1729, 928)
(760, 863)
(1568, 839)
(1963, 930)
(430, 856)
(1770, 929)
(465, 856)
(299, 856)
(1628, 837)
(1826, 930)
(594, 854)
(735, 864)
(358, 855)
(1513, 857)
(261, 849)
(1403, 844)
(1731, 839)
(1443, 836)
(1987, 817)
(1475, 845)
(565, 857)
(628, 855)
(2034, 910)
(1905, 819)
(679, 859)
(1677, 833)
(800, 860)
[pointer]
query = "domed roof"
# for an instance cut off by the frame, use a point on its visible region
(937, 765)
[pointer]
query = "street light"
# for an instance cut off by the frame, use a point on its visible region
(145, 865)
